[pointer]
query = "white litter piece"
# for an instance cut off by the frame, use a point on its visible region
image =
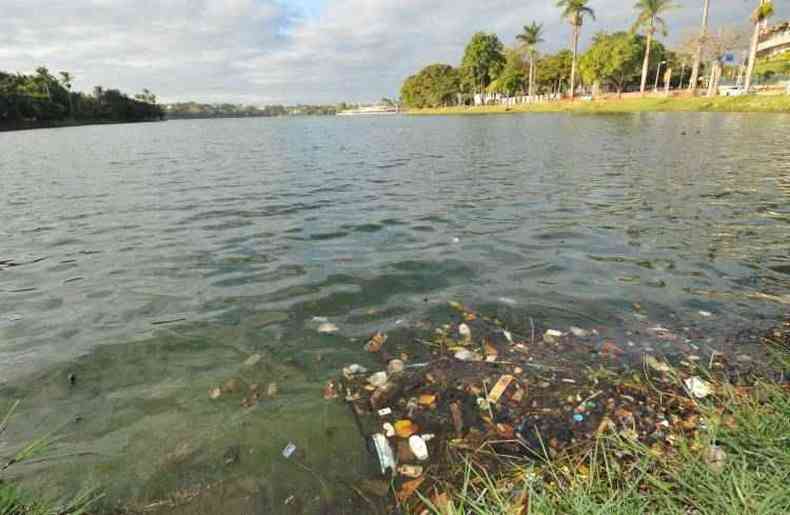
(698, 387)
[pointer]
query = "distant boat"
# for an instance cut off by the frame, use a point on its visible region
(370, 110)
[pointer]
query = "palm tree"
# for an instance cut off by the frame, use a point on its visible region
(530, 38)
(67, 79)
(764, 11)
(700, 45)
(574, 11)
(649, 18)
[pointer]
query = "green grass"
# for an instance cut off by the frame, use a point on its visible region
(743, 104)
(14, 500)
(619, 476)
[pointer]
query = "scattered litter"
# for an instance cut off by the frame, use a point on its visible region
(578, 417)
(499, 388)
(383, 452)
(395, 366)
(330, 391)
(253, 360)
(327, 328)
(508, 336)
(508, 301)
(405, 428)
(418, 447)
(383, 412)
(376, 342)
(353, 370)
(289, 450)
(378, 379)
(465, 332)
(389, 429)
(552, 336)
(706, 314)
(412, 471)
(467, 355)
(272, 389)
(698, 387)
(214, 393)
(320, 320)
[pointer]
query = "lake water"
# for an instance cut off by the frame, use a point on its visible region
(152, 260)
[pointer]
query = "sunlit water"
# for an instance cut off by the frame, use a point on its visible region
(152, 260)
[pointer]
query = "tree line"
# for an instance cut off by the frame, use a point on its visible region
(43, 98)
(615, 61)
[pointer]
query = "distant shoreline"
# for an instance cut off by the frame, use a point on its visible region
(744, 104)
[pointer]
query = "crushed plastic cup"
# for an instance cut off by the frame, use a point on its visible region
(383, 452)
(418, 447)
(289, 450)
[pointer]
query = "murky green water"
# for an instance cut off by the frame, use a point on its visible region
(152, 260)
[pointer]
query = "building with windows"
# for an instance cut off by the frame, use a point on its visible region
(774, 40)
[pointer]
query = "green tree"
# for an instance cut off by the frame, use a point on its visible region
(574, 11)
(66, 79)
(613, 59)
(554, 70)
(530, 38)
(483, 61)
(435, 85)
(759, 17)
(649, 20)
(513, 77)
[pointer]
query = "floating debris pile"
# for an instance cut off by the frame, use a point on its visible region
(483, 391)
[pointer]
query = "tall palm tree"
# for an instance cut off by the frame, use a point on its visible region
(67, 79)
(530, 38)
(649, 19)
(700, 45)
(759, 17)
(574, 11)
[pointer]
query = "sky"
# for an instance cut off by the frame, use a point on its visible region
(279, 51)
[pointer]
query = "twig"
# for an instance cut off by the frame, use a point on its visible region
(532, 325)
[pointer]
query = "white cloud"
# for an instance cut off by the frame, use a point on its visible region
(263, 51)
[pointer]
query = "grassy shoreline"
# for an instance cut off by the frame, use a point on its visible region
(745, 104)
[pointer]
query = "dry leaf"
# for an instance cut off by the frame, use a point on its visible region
(408, 488)
(376, 342)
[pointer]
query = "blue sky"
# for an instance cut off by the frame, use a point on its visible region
(289, 51)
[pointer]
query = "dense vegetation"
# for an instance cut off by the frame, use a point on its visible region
(613, 62)
(617, 61)
(197, 110)
(45, 99)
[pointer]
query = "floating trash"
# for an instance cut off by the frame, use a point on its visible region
(383, 452)
(289, 450)
(697, 387)
(418, 447)
(328, 328)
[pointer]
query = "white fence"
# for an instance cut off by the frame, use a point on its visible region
(500, 99)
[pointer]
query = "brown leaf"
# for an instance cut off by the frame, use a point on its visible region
(408, 488)
(609, 348)
(376, 342)
(458, 418)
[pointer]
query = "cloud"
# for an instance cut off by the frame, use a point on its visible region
(270, 51)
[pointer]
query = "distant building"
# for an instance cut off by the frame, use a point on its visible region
(774, 40)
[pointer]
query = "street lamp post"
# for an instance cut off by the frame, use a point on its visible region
(655, 88)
